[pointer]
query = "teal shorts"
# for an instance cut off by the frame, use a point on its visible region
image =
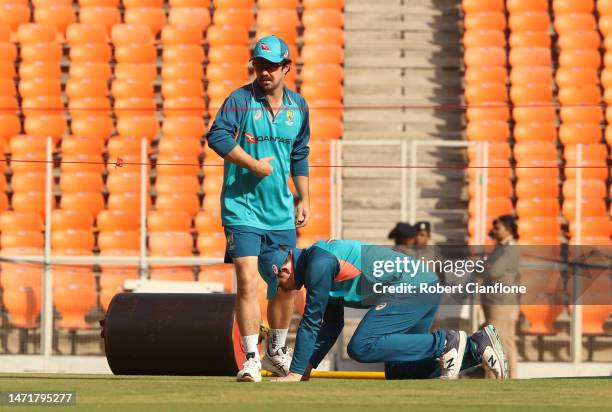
(247, 241)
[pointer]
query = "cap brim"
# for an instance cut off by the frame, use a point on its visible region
(268, 58)
(272, 288)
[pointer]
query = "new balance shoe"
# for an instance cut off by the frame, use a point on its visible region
(251, 369)
(278, 363)
(491, 351)
(451, 359)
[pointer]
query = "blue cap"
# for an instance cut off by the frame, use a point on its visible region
(272, 48)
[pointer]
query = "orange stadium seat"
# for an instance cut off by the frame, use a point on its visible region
(72, 239)
(228, 4)
(604, 7)
(23, 144)
(326, 128)
(234, 17)
(136, 70)
(22, 238)
(71, 220)
(40, 86)
(541, 113)
(47, 3)
(5, 32)
(138, 126)
(579, 40)
(569, 22)
(537, 169)
(13, 14)
(177, 184)
(537, 207)
(168, 221)
(50, 52)
(78, 33)
(135, 107)
(129, 4)
(487, 74)
(130, 33)
(586, 114)
(324, 35)
(322, 18)
(496, 150)
(183, 53)
(89, 106)
(32, 202)
(181, 145)
(485, 21)
(570, 6)
(91, 202)
(113, 220)
(321, 90)
(591, 169)
(529, 21)
(229, 54)
(212, 244)
(182, 88)
(81, 163)
(130, 163)
(323, 72)
(187, 202)
(591, 152)
(485, 57)
(186, 126)
(577, 77)
(213, 184)
(28, 181)
(227, 34)
(173, 35)
(59, 16)
(530, 39)
(572, 133)
(12, 221)
(152, 17)
(22, 299)
(88, 70)
(106, 16)
(100, 127)
(527, 188)
(170, 243)
(225, 71)
(477, 6)
(74, 182)
(488, 131)
(484, 38)
(126, 88)
(223, 274)
(221, 89)
(126, 201)
(590, 207)
(593, 226)
(589, 188)
(36, 33)
(277, 4)
(184, 106)
(530, 56)
(580, 58)
(525, 75)
(136, 53)
(496, 187)
(123, 182)
(7, 69)
(322, 54)
(534, 150)
(86, 87)
(190, 16)
(119, 239)
(486, 93)
(588, 94)
(28, 162)
(208, 222)
(9, 125)
(535, 131)
(182, 70)
(496, 206)
(177, 165)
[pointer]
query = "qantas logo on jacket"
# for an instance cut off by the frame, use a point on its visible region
(258, 139)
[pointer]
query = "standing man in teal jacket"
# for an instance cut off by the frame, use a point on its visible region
(262, 133)
(339, 273)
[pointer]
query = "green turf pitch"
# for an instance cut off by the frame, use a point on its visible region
(162, 393)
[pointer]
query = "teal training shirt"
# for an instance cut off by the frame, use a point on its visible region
(246, 120)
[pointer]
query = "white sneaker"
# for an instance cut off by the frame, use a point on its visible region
(251, 369)
(277, 363)
(491, 351)
(451, 359)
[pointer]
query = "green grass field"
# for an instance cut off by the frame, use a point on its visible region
(150, 394)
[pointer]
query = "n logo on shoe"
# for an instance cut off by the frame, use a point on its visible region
(450, 363)
(492, 361)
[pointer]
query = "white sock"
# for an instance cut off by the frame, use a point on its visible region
(276, 339)
(249, 343)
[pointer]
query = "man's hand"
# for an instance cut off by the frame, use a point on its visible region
(302, 213)
(291, 377)
(262, 167)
